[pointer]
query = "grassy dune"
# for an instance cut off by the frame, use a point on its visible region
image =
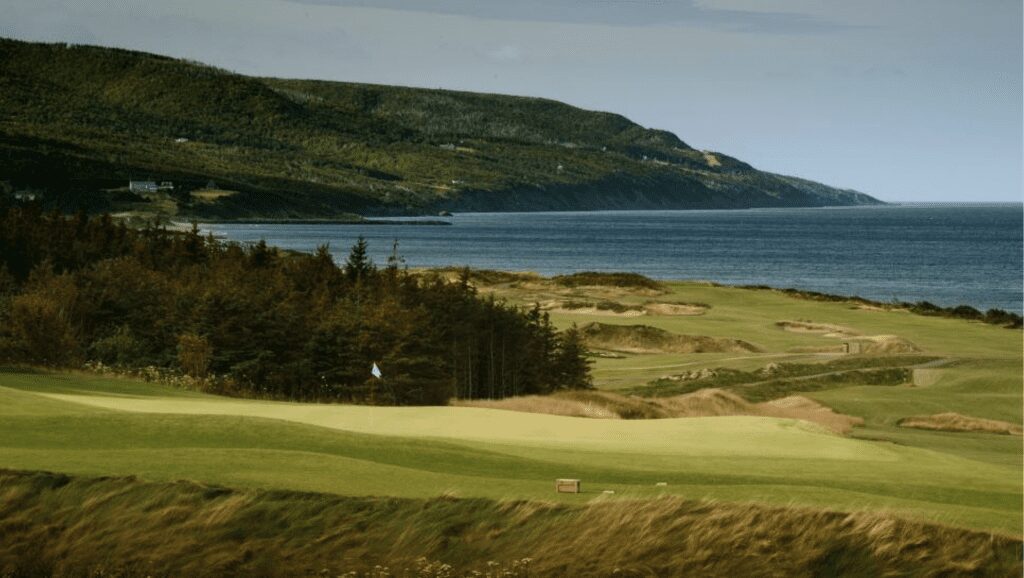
(53, 524)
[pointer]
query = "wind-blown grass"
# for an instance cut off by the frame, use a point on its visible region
(57, 525)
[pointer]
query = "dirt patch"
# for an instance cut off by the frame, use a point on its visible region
(676, 309)
(711, 160)
(703, 403)
(647, 339)
(956, 422)
(209, 196)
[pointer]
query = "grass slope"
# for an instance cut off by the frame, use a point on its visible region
(423, 452)
(54, 524)
(393, 463)
(79, 120)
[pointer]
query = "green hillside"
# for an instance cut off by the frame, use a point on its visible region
(77, 122)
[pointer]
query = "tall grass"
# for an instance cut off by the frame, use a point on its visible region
(52, 524)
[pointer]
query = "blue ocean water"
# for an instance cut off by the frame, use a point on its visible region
(946, 254)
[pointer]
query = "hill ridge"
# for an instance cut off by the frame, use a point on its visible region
(79, 121)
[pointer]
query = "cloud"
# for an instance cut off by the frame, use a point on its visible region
(607, 12)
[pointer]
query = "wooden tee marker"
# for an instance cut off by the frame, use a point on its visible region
(566, 486)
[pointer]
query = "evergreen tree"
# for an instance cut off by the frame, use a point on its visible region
(358, 266)
(571, 364)
(260, 322)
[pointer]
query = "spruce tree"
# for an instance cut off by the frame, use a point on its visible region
(571, 363)
(358, 265)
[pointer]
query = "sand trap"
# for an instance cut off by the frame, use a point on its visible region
(886, 344)
(678, 309)
(550, 404)
(647, 339)
(600, 308)
(840, 349)
(703, 403)
(799, 407)
(824, 329)
(867, 343)
(955, 422)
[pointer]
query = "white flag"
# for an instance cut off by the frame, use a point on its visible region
(375, 371)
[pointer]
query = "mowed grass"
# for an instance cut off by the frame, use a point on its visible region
(472, 452)
(83, 424)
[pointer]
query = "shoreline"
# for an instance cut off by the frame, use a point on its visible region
(431, 222)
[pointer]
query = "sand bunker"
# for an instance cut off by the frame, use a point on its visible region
(824, 329)
(647, 339)
(799, 407)
(601, 308)
(703, 403)
(861, 343)
(839, 348)
(606, 308)
(886, 344)
(682, 309)
(956, 422)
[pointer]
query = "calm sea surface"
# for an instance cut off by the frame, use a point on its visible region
(941, 253)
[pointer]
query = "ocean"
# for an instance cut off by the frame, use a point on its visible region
(947, 254)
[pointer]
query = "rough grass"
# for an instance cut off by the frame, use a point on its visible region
(593, 278)
(778, 380)
(956, 422)
(67, 526)
(647, 339)
(603, 307)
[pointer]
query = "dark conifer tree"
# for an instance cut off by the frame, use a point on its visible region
(571, 363)
(358, 266)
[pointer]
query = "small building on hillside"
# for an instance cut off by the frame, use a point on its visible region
(142, 186)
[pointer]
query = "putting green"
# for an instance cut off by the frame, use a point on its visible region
(735, 436)
(419, 452)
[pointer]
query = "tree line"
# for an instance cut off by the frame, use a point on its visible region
(253, 320)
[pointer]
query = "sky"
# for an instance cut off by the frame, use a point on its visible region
(906, 100)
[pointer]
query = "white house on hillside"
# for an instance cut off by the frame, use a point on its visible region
(142, 186)
(149, 186)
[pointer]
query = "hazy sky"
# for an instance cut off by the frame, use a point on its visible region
(903, 99)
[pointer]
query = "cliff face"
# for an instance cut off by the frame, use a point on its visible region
(76, 123)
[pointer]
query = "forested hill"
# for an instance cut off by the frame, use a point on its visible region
(77, 122)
